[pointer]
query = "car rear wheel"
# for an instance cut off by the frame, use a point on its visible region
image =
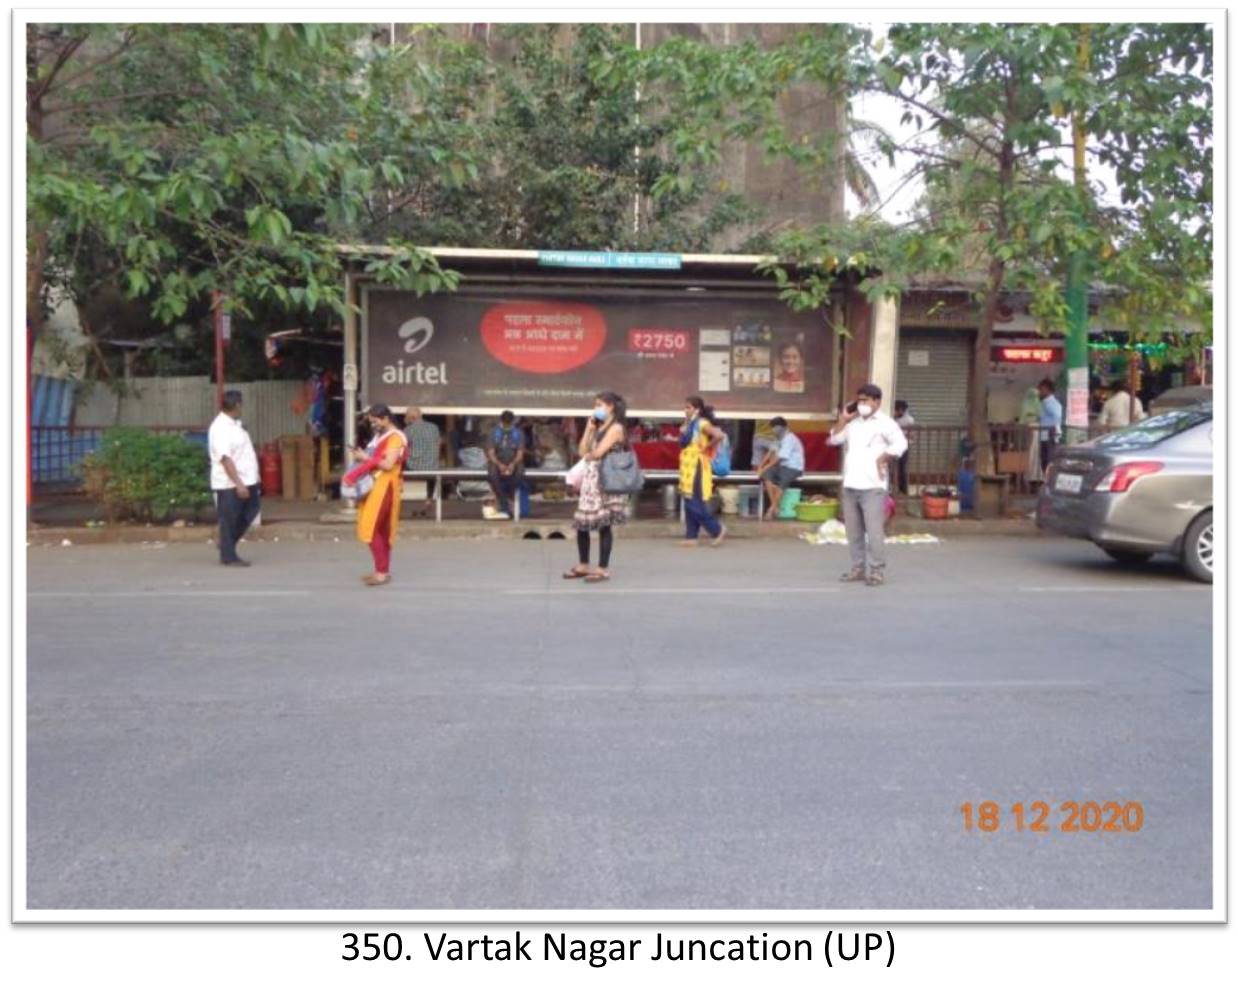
(1127, 556)
(1197, 548)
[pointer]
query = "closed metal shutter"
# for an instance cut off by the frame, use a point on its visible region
(935, 384)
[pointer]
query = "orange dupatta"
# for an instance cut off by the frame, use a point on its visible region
(385, 481)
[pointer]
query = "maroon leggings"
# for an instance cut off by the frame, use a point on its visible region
(380, 545)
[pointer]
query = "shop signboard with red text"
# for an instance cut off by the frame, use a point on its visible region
(545, 351)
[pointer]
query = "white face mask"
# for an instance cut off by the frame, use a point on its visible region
(864, 410)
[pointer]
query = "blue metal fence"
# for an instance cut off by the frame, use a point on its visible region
(56, 452)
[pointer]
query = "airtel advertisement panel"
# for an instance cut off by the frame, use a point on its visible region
(549, 350)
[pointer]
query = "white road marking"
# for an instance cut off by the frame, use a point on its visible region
(1107, 589)
(979, 683)
(580, 588)
(190, 593)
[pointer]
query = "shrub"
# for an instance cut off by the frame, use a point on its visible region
(141, 475)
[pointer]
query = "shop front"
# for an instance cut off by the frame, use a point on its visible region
(936, 353)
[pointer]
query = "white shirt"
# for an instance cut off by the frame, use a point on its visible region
(866, 440)
(228, 438)
(1117, 410)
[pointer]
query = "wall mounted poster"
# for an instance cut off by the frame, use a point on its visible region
(549, 350)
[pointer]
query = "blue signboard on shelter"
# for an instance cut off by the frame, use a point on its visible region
(610, 260)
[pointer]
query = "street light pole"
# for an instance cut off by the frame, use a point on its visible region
(636, 196)
(350, 377)
(1077, 285)
(218, 314)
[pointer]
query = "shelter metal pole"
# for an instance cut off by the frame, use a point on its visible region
(350, 374)
(217, 316)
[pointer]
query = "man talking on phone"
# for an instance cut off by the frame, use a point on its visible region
(871, 439)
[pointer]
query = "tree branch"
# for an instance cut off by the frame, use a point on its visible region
(926, 153)
(126, 43)
(945, 119)
(911, 175)
(78, 105)
(63, 56)
(399, 205)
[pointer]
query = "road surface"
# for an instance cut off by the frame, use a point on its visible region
(713, 729)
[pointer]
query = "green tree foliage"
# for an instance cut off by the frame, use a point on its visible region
(573, 127)
(1148, 116)
(166, 162)
(172, 161)
(992, 105)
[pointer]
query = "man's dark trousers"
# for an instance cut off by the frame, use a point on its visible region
(236, 515)
(506, 488)
(1046, 453)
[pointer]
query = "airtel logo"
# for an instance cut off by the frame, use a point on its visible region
(416, 333)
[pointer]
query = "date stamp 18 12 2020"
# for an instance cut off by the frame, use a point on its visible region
(1045, 817)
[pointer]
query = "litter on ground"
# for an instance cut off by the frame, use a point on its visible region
(834, 533)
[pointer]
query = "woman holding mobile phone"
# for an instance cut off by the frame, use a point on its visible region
(698, 440)
(596, 510)
(379, 515)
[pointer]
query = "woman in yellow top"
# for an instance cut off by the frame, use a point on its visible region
(698, 440)
(380, 512)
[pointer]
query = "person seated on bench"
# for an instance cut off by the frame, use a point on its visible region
(781, 468)
(424, 443)
(505, 460)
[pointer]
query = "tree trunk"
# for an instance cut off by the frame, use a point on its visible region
(36, 258)
(36, 242)
(978, 424)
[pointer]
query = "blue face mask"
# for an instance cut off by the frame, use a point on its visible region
(599, 413)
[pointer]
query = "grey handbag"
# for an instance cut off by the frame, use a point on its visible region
(619, 473)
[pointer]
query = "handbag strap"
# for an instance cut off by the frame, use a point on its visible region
(623, 441)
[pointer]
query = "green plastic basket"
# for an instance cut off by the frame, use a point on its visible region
(817, 511)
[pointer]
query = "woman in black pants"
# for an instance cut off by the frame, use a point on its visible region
(597, 511)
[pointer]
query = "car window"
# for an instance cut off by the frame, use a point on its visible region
(1154, 430)
(1197, 441)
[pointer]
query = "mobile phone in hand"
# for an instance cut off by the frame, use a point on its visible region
(852, 408)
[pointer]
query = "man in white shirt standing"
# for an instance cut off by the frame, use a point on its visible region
(234, 478)
(1117, 410)
(871, 439)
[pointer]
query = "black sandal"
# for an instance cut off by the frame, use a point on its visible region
(575, 574)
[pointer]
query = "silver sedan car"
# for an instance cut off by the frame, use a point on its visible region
(1142, 490)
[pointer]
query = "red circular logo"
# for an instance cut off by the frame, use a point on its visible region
(543, 336)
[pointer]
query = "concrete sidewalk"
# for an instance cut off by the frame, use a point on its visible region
(56, 518)
(559, 526)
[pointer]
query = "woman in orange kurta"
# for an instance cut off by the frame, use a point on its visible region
(380, 511)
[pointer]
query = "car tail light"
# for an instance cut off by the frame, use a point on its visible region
(1121, 477)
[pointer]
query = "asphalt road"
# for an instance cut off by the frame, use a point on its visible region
(714, 729)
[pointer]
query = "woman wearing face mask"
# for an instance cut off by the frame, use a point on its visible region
(698, 438)
(596, 510)
(380, 512)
